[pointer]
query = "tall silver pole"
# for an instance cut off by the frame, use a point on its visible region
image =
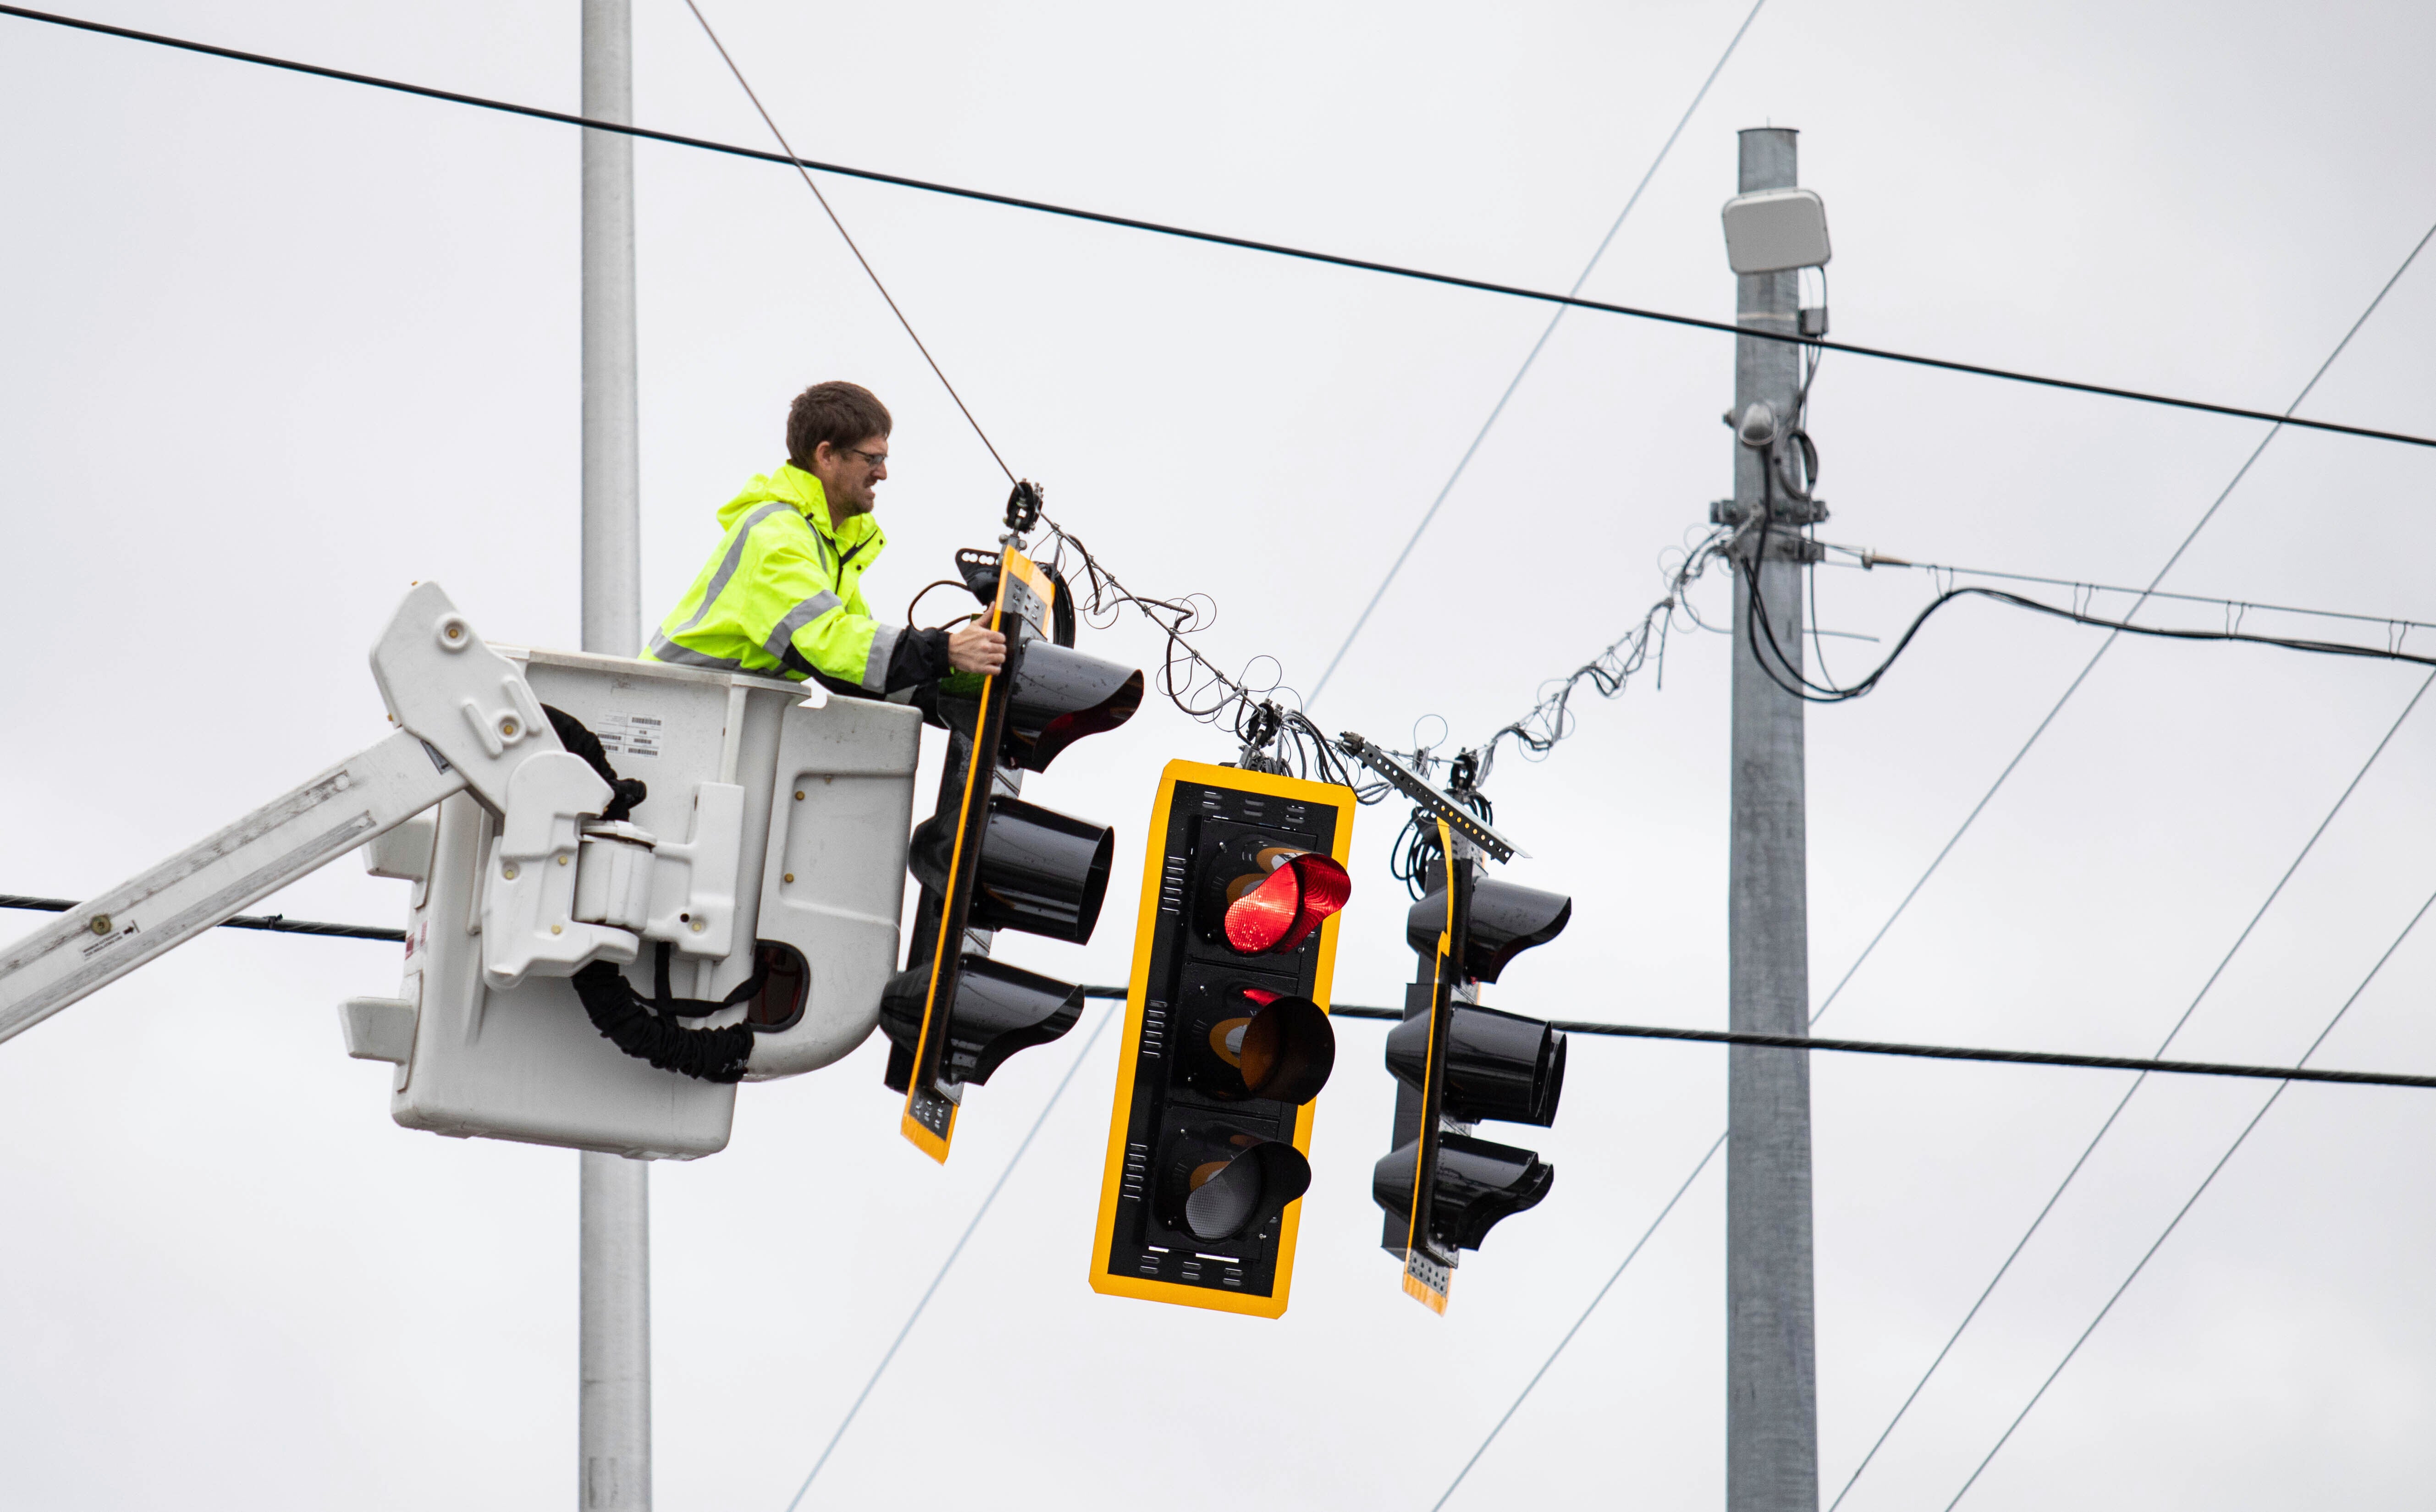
(613, 620)
(1771, 1383)
(613, 1432)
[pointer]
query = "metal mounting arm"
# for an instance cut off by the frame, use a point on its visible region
(1465, 825)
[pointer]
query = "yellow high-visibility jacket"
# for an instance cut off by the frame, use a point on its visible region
(782, 598)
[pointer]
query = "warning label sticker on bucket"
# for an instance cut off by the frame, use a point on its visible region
(634, 734)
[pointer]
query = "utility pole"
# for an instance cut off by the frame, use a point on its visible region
(1771, 1376)
(613, 1432)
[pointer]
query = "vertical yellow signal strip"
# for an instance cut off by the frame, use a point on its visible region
(980, 769)
(1103, 1281)
(1418, 1283)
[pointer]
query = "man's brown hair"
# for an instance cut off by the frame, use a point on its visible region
(839, 413)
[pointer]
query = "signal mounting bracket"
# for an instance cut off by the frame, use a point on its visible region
(1465, 825)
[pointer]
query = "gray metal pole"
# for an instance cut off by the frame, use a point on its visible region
(1771, 1384)
(614, 1417)
(613, 1432)
(613, 620)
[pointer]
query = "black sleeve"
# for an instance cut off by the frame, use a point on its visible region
(920, 657)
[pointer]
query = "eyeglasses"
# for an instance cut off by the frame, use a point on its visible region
(876, 458)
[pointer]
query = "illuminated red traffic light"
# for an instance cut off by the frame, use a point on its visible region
(1228, 1042)
(1277, 911)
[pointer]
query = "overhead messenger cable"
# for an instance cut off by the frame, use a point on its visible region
(1533, 355)
(1596, 1298)
(1217, 238)
(2010, 766)
(2129, 1093)
(274, 923)
(2145, 1071)
(1786, 674)
(2235, 609)
(2192, 1201)
(848, 237)
(1200, 672)
(2108, 644)
(949, 1263)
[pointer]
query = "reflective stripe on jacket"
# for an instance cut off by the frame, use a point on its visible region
(782, 596)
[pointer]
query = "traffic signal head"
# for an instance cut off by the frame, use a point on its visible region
(1228, 1040)
(1505, 921)
(1000, 1009)
(1222, 1183)
(1249, 1043)
(1499, 1065)
(1262, 897)
(1476, 1184)
(988, 860)
(1060, 696)
(1041, 871)
(1458, 1064)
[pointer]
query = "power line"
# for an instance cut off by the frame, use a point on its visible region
(1215, 238)
(1950, 1053)
(949, 1263)
(1176, 617)
(848, 237)
(1978, 808)
(1789, 677)
(2184, 1210)
(1867, 560)
(1550, 720)
(2041, 729)
(1533, 355)
(1613, 1277)
(1195, 685)
(275, 923)
(2131, 1091)
(1786, 674)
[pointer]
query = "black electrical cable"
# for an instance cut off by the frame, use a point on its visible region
(943, 582)
(1306, 751)
(1939, 1053)
(1789, 677)
(2046, 723)
(2235, 609)
(1550, 720)
(2071, 1174)
(787, 148)
(1815, 693)
(2006, 1057)
(949, 1263)
(1515, 383)
(275, 923)
(1312, 751)
(646, 1028)
(1417, 856)
(2055, 710)
(1243, 243)
(2181, 1213)
(1195, 685)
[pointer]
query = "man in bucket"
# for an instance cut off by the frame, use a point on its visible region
(782, 596)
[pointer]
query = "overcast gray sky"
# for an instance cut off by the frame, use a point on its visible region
(275, 347)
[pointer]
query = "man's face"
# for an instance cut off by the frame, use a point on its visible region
(849, 473)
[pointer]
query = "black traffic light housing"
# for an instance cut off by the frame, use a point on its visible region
(1228, 1039)
(1458, 1064)
(988, 860)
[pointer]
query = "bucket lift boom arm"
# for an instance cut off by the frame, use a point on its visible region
(466, 718)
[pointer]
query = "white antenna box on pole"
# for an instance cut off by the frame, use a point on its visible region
(1776, 231)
